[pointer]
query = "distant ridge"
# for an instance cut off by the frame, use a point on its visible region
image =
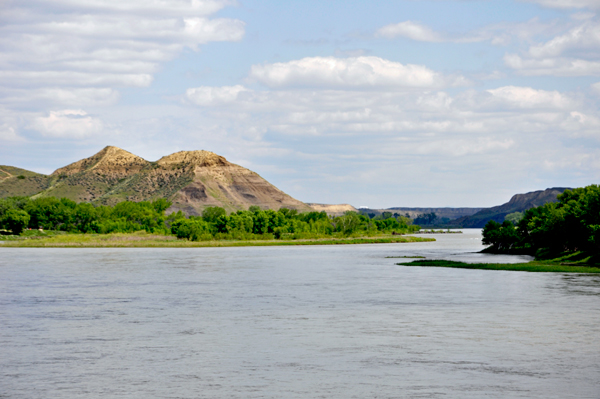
(518, 203)
(442, 212)
(192, 180)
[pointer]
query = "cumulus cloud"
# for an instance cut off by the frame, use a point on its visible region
(67, 124)
(207, 96)
(353, 72)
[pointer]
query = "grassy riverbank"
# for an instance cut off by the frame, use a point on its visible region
(142, 240)
(533, 266)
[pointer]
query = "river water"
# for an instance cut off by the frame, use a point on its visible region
(292, 322)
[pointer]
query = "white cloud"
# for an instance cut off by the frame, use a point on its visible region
(585, 37)
(101, 44)
(575, 52)
(552, 66)
(67, 124)
(154, 7)
(526, 97)
(411, 30)
(596, 87)
(58, 97)
(567, 3)
(462, 147)
(498, 34)
(9, 133)
(206, 96)
(468, 116)
(353, 72)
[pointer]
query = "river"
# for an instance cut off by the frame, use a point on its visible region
(292, 322)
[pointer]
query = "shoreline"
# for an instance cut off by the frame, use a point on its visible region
(532, 266)
(119, 240)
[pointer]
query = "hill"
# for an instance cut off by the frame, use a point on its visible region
(20, 182)
(192, 180)
(518, 203)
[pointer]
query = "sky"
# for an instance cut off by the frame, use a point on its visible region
(380, 104)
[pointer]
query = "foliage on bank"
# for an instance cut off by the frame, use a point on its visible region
(537, 267)
(20, 213)
(567, 228)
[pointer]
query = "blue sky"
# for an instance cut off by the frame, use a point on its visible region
(380, 104)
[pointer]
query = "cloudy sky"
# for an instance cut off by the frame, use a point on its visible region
(380, 104)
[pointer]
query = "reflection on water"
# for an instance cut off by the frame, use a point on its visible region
(291, 322)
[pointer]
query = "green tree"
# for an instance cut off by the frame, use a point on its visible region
(502, 237)
(15, 220)
(212, 213)
(514, 217)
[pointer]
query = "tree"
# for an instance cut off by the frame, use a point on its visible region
(386, 215)
(212, 213)
(514, 217)
(348, 223)
(426, 218)
(15, 220)
(502, 237)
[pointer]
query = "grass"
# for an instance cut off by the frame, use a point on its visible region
(533, 266)
(143, 239)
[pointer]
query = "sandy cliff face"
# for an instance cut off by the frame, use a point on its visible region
(217, 182)
(192, 180)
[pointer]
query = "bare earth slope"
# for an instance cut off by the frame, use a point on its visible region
(193, 180)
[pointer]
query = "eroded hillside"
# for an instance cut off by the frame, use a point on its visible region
(192, 180)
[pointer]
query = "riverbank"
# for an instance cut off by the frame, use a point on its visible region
(533, 266)
(142, 240)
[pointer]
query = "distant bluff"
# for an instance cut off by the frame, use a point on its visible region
(192, 180)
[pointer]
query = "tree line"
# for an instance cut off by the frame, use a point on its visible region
(568, 226)
(20, 213)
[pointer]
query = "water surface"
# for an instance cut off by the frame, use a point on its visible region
(292, 322)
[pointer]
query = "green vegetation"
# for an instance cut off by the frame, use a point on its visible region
(15, 220)
(53, 214)
(535, 266)
(514, 217)
(567, 230)
(144, 239)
